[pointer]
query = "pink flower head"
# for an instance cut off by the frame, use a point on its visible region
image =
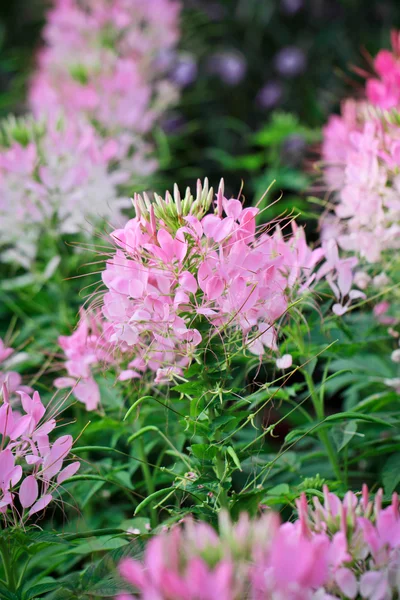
(103, 62)
(89, 346)
(361, 154)
(61, 180)
(362, 534)
(31, 467)
(384, 91)
(183, 276)
(338, 549)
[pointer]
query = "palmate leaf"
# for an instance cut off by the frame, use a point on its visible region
(312, 429)
(342, 434)
(31, 540)
(37, 591)
(98, 544)
(99, 580)
(62, 594)
(246, 502)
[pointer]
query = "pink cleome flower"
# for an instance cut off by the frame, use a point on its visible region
(31, 467)
(361, 153)
(341, 549)
(384, 91)
(62, 180)
(182, 278)
(102, 59)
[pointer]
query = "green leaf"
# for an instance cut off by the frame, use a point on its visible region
(339, 417)
(108, 588)
(99, 544)
(247, 502)
(360, 417)
(343, 433)
(42, 588)
(203, 451)
(279, 490)
(234, 457)
(391, 473)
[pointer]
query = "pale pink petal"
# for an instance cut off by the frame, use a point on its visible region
(68, 471)
(285, 362)
(347, 582)
(29, 491)
(41, 504)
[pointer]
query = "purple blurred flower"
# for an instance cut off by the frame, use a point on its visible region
(214, 10)
(173, 122)
(293, 149)
(270, 94)
(184, 72)
(230, 67)
(165, 59)
(290, 61)
(291, 7)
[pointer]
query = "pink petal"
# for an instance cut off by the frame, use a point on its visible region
(88, 392)
(188, 282)
(41, 504)
(64, 382)
(68, 472)
(133, 572)
(233, 208)
(347, 582)
(129, 374)
(285, 362)
(214, 288)
(54, 459)
(15, 475)
(29, 491)
(339, 310)
(21, 427)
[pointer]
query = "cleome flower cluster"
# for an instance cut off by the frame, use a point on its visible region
(361, 154)
(102, 81)
(189, 271)
(55, 178)
(31, 467)
(107, 60)
(336, 550)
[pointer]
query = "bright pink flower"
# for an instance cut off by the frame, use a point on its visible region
(25, 443)
(87, 347)
(181, 278)
(361, 154)
(362, 534)
(340, 549)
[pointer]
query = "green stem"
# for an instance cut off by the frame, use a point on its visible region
(219, 465)
(323, 435)
(150, 487)
(9, 567)
(220, 470)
